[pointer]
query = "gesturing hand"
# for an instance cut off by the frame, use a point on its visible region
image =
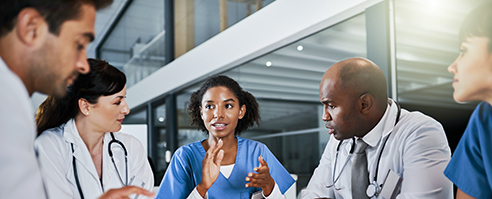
(211, 167)
(262, 178)
(124, 192)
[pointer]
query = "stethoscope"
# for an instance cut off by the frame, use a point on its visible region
(113, 141)
(374, 188)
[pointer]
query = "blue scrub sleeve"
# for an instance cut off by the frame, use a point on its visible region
(283, 179)
(470, 168)
(177, 179)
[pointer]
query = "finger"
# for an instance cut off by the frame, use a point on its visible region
(219, 158)
(262, 161)
(140, 191)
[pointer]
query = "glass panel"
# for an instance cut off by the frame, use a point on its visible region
(136, 117)
(160, 128)
(426, 44)
(186, 133)
(136, 44)
(208, 17)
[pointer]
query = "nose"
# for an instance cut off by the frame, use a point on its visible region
(326, 116)
(82, 65)
(125, 110)
(452, 67)
(219, 112)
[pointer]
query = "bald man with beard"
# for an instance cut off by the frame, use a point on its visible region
(406, 151)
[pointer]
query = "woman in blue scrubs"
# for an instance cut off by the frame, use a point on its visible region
(224, 165)
(470, 168)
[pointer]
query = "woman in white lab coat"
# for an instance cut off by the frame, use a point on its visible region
(80, 151)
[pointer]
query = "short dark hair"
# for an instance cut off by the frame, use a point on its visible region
(478, 23)
(251, 116)
(55, 12)
(102, 80)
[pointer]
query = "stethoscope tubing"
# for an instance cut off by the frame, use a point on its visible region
(113, 140)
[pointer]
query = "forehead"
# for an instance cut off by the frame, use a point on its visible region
(218, 93)
(83, 26)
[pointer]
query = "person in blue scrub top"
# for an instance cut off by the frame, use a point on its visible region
(224, 165)
(470, 168)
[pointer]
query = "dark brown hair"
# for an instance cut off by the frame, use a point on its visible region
(102, 80)
(251, 116)
(54, 12)
(478, 23)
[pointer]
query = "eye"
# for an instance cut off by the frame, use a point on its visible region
(463, 51)
(209, 106)
(80, 47)
(118, 103)
(331, 107)
(228, 106)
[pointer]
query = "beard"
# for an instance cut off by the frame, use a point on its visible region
(45, 72)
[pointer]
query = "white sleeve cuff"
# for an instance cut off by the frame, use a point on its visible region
(195, 195)
(275, 193)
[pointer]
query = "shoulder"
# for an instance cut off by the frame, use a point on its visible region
(189, 149)
(482, 112)
(251, 143)
(50, 136)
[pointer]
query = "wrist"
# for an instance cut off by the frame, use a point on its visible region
(202, 189)
(267, 190)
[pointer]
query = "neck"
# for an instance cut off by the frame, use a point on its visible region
(12, 54)
(92, 139)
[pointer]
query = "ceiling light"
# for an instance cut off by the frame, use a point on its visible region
(268, 63)
(161, 119)
(300, 48)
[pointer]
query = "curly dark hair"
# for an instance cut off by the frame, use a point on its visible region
(251, 116)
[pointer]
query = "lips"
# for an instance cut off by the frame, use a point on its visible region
(120, 120)
(219, 126)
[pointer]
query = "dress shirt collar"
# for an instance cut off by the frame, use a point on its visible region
(384, 126)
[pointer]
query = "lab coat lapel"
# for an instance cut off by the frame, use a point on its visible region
(81, 153)
(108, 168)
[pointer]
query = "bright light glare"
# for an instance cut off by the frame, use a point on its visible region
(300, 48)
(268, 63)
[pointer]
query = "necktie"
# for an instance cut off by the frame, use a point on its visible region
(360, 175)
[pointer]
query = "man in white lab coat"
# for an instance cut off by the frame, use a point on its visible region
(405, 152)
(42, 49)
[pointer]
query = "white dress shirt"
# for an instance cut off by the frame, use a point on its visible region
(55, 157)
(416, 150)
(19, 168)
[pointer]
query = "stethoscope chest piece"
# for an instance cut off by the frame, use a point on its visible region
(373, 190)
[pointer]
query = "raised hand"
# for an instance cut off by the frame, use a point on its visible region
(124, 192)
(262, 178)
(211, 167)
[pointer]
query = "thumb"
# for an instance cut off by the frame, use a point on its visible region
(219, 158)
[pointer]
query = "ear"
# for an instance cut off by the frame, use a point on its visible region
(201, 112)
(30, 26)
(84, 106)
(366, 102)
(242, 111)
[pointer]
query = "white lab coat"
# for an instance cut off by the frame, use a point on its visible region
(21, 177)
(55, 157)
(417, 150)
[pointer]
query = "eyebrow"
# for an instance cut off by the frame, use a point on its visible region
(89, 36)
(326, 101)
(227, 100)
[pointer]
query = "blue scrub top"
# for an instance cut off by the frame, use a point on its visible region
(184, 172)
(470, 168)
